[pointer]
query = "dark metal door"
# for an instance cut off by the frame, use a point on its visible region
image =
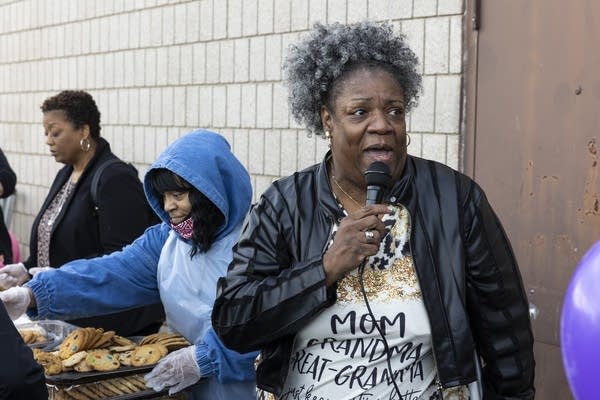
(533, 130)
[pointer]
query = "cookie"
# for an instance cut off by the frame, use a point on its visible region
(108, 384)
(162, 348)
(102, 391)
(105, 339)
(92, 335)
(27, 335)
(122, 341)
(82, 366)
(125, 358)
(149, 339)
(124, 383)
(102, 361)
(60, 394)
(78, 394)
(72, 344)
(88, 392)
(32, 336)
(137, 381)
(52, 364)
(147, 354)
(121, 349)
(175, 343)
(74, 359)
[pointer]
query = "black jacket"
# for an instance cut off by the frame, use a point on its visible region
(8, 178)
(80, 232)
(20, 376)
(469, 278)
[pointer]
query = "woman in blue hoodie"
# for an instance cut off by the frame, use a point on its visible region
(202, 193)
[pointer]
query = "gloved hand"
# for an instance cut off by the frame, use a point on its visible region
(36, 270)
(13, 275)
(16, 300)
(176, 371)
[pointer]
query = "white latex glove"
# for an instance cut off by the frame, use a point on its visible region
(176, 371)
(35, 270)
(13, 275)
(16, 300)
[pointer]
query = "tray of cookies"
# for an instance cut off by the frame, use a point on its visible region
(44, 334)
(90, 358)
(128, 387)
(122, 388)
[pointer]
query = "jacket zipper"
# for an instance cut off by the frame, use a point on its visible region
(331, 220)
(437, 381)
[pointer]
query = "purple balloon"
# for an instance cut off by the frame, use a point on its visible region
(580, 327)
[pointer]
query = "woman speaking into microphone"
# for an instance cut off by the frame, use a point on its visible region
(395, 300)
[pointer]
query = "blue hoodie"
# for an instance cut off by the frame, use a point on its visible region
(205, 160)
(157, 267)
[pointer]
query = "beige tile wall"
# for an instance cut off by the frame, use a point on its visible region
(160, 68)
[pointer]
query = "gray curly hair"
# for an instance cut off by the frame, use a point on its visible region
(313, 65)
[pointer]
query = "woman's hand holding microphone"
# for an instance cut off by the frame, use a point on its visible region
(358, 236)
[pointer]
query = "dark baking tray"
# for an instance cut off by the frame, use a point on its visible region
(146, 394)
(143, 394)
(78, 378)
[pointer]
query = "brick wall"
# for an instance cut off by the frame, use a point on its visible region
(159, 68)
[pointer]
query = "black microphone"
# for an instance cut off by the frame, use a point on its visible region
(377, 177)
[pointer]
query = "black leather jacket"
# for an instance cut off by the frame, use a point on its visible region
(469, 277)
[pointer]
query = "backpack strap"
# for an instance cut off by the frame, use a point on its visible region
(96, 180)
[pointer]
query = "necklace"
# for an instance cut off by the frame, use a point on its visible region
(61, 202)
(343, 191)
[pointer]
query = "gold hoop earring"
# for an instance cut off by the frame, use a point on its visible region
(328, 136)
(407, 140)
(85, 145)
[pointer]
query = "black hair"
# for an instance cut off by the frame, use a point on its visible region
(207, 218)
(78, 107)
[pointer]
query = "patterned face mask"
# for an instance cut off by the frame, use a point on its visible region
(185, 228)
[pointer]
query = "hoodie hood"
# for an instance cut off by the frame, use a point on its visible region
(205, 160)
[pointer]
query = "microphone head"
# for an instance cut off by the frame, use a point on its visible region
(378, 174)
